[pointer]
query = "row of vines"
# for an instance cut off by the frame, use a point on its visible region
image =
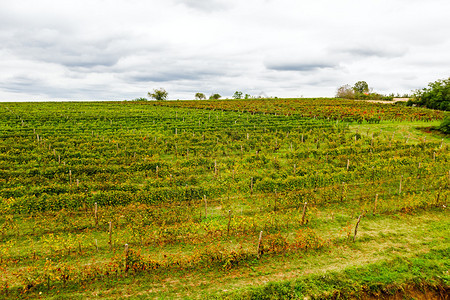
(187, 188)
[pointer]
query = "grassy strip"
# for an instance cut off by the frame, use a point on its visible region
(428, 271)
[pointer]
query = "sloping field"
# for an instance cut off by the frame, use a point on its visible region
(257, 199)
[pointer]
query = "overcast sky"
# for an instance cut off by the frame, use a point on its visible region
(121, 49)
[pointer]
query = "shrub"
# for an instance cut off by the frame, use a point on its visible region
(345, 92)
(445, 125)
(237, 95)
(215, 96)
(200, 96)
(436, 96)
(158, 94)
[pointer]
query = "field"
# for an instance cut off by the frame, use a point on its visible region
(225, 199)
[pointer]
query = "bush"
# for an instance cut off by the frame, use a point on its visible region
(158, 94)
(436, 96)
(200, 96)
(215, 96)
(445, 125)
(345, 92)
(237, 95)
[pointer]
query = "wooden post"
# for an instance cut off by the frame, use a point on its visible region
(348, 163)
(259, 245)
(375, 204)
(96, 245)
(70, 177)
(438, 194)
(157, 169)
(78, 182)
(229, 222)
(295, 169)
(442, 142)
(215, 167)
(59, 159)
(356, 227)
(125, 266)
(110, 235)
(96, 214)
(275, 201)
(434, 156)
(304, 212)
(206, 206)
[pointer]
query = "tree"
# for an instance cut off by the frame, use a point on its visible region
(158, 94)
(237, 95)
(361, 87)
(200, 96)
(215, 96)
(436, 96)
(345, 92)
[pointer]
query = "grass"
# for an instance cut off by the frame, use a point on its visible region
(338, 170)
(401, 240)
(414, 132)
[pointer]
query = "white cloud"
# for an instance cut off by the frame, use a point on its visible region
(121, 49)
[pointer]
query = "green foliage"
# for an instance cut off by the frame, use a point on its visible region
(388, 278)
(436, 96)
(445, 125)
(360, 91)
(150, 167)
(237, 95)
(361, 87)
(215, 96)
(200, 96)
(158, 94)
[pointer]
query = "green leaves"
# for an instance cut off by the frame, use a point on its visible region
(436, 96)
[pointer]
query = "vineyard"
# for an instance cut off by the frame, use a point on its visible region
(203, 199)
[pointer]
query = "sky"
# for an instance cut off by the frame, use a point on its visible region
(123, 49)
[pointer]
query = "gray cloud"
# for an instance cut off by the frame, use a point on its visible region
(70, 51)
(171, 75)
(86, 49)
(387, 51)
(301, 67)
(206, 6)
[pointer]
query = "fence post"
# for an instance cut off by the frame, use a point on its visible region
(125, 266)
(259, 245)
(206, 206)
(356, 227)
(110, 235)
(304, 212)
(375, 204)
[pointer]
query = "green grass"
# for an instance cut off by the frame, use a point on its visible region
(149, 167)
(384, 245)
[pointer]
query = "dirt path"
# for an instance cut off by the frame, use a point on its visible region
(389, 102)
